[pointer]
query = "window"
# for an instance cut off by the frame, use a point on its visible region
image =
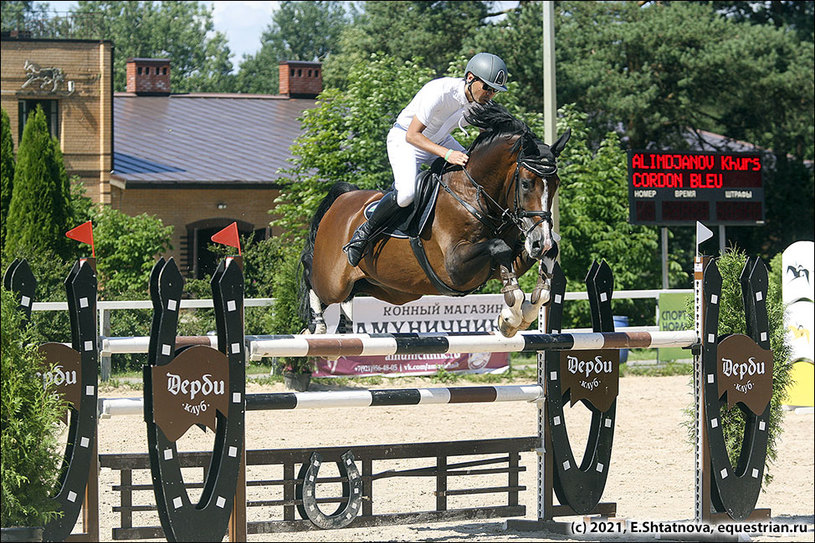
(139, 70)
(164, 71)
(49, 107)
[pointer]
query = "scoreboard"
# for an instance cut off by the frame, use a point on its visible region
(680, 188)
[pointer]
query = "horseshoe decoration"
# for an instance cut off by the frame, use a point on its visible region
(351, 489)
(19, 279)
(738, 368)
(198, 386)
(74, 376)
(581, 487)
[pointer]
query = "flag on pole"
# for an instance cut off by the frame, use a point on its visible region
(228, 236)
(703, 233)
(83, 234)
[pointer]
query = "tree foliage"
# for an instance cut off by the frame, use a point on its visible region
(180, 31)
(126, 248)
(594, 222)
(23, 15)
(343, 138)
(299, 31)
(40, 201)
(406, 31)
(6, 173)
(30, 418)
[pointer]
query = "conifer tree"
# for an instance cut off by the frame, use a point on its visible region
(6, 173)
(40, 200)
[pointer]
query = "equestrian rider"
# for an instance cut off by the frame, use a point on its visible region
(422, 133)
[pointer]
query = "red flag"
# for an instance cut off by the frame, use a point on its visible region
(228, 236)
(83, 234)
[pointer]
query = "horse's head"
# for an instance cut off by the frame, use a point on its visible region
(528, 172)
(536, 182)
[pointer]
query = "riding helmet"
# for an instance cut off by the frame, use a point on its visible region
(490, 69)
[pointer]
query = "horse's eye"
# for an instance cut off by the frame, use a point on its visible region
(526, 184)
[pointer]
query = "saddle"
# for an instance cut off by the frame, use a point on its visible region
(409, 222)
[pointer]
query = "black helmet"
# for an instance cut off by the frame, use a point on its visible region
(490, 69)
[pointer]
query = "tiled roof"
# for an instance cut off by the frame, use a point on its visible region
(192, 139)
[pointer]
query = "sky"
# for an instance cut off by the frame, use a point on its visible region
(243, 23)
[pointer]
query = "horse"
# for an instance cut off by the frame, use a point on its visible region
(492, 220)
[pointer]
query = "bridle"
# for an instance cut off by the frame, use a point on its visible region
(538, 165)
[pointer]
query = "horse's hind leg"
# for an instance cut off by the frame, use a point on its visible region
(317, 318)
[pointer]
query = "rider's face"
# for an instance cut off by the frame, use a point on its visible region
(482, 93)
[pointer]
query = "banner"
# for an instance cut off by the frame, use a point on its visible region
(673, 316)
(430, 314)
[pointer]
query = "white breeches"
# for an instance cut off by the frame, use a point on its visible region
(406, 159)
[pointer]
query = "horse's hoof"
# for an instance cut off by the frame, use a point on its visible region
(505, 328)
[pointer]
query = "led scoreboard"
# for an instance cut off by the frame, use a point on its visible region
(680, 188)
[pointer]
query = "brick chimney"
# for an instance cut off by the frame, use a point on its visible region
(300, 79)
(148, 76)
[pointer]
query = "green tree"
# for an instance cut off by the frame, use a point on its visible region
(6, 174)
(655, 71)
(30, 416)
(523, 25)
(126, 248)
(25, 15)
(40, 201)
(180, 31)
(594, 222)
(407, 31)
(299, 31)
(343, 138)
(778, 13)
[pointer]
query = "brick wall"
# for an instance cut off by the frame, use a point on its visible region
(301, 79)
(148, 76)
(85, 123)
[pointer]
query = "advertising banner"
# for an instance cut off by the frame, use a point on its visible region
(430, 314)
(673, 316)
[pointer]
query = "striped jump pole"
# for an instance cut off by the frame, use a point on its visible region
(111, 407)
(336, 345)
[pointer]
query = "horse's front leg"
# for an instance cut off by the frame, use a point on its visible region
(511, 317)
(468, 259)
(542, 293)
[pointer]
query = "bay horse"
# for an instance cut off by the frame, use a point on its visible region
(492, 220)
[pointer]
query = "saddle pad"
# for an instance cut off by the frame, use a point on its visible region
(411, 220)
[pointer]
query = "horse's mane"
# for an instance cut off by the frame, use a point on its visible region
(495, 121)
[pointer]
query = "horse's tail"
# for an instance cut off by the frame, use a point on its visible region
(307, 256)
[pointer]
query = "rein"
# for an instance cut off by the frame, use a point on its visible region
(508, 217)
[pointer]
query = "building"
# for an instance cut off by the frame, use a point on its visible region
(73, 82)
(196, 161)
(202, 161)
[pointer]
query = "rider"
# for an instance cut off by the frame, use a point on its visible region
(422, 133)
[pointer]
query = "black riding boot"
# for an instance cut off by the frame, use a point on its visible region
(385, 210)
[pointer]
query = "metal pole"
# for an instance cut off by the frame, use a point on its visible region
(549, 97)
(722, 239)
(664, 257)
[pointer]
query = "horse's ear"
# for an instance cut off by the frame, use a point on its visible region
(560, 144)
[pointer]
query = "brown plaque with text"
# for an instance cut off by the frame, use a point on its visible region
(189, 390)
(591, 375)
(745, 372)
